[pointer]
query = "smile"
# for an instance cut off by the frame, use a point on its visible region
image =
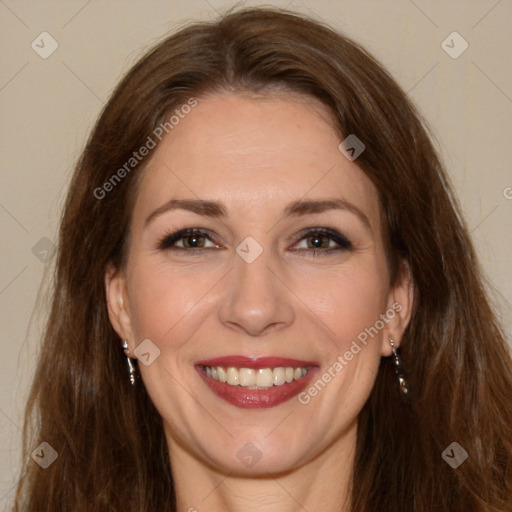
(256, 383)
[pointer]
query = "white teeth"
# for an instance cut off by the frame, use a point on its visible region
(254, 379)
(264, 378)
(247, 377)
(232, 376)
(279, 375)
(222, 374)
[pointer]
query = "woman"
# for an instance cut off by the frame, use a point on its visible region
(265, 297)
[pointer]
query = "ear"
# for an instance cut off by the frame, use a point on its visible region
(118, 305)
(399, 309)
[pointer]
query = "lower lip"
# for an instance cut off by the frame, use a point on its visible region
(256, 398)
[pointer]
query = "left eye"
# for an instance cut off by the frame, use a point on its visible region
(319, 241)
(323, 239)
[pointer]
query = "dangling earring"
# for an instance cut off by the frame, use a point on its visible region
(131, 368)
(402, 383)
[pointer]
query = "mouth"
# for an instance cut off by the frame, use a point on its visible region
(252, 383)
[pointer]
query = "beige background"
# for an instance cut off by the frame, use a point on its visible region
(48, 106)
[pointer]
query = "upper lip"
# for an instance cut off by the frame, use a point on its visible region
(255, 362)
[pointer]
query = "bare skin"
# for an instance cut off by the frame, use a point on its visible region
(257, 155)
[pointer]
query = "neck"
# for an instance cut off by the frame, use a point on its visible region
(322, 483)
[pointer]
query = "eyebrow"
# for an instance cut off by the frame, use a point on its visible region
(215, 209)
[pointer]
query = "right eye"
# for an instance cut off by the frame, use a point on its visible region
(186, 240)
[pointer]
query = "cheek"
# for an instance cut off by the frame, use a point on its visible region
(161, 299)
(346, 306)
(348, 302)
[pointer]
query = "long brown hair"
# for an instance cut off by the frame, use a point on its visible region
(112, 453)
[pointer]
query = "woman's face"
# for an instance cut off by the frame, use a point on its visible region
(284, 267)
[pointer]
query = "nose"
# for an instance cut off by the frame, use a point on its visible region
(256, 298)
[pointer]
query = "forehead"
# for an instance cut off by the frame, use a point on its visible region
(254, 151)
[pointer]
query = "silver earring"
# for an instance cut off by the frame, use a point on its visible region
(402, 383)
(131, 369)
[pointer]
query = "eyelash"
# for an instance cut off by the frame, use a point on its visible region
(168, 241)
